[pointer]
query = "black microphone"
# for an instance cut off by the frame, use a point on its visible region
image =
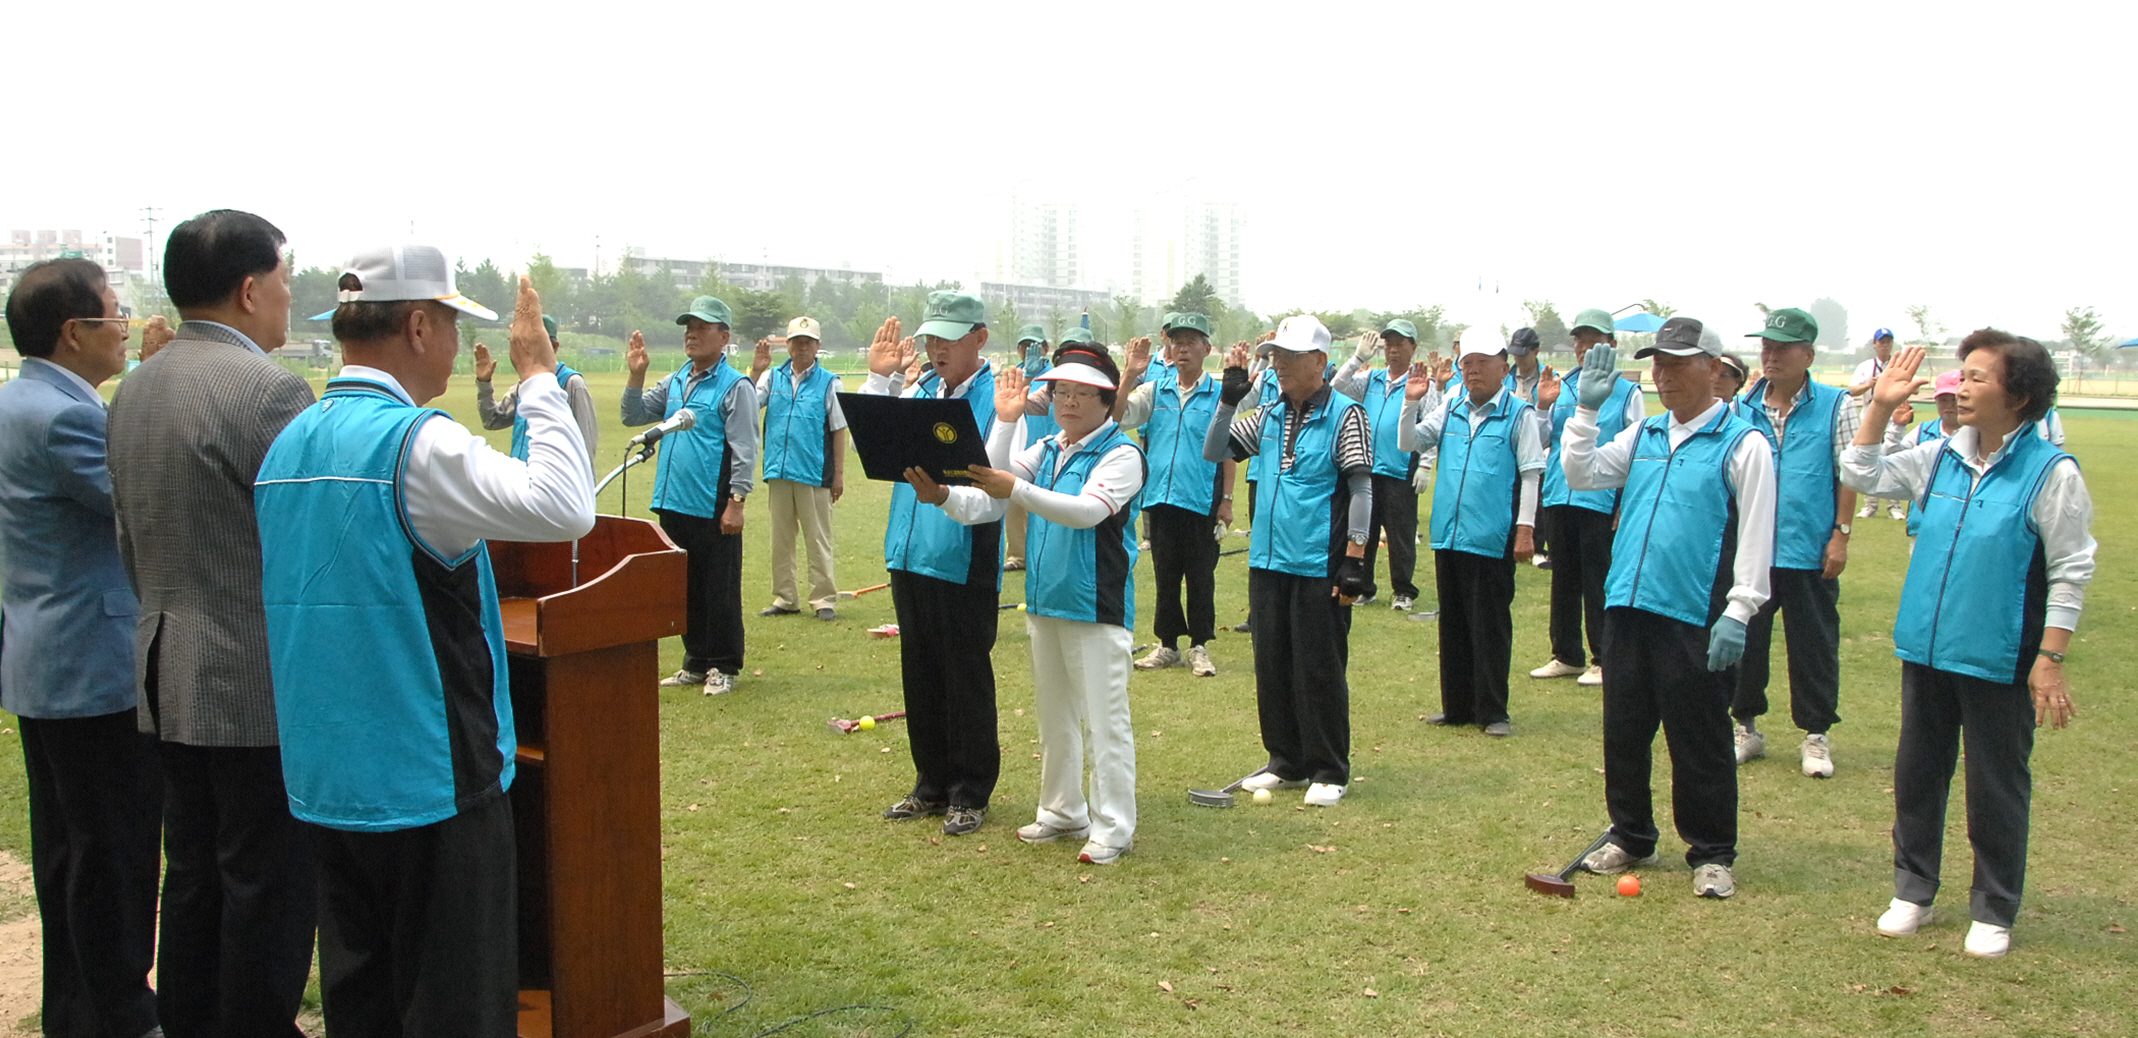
(682, 419)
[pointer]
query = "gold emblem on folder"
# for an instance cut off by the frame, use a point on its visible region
(945, 433)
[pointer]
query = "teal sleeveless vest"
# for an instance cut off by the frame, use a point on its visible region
(797, 447)
(1087, 575)
(919, 538)
(1677, 526)
(1300, 512)
(1474, 495)
(1173, 435)
(1610, 421)
(693, 471)
(519, 424)
(1803, 472)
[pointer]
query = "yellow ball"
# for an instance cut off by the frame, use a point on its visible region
(1262, 796)
(868, 724)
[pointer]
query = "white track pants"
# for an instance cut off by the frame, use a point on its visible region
(1080, 679)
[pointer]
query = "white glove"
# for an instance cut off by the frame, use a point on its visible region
(1422, 480)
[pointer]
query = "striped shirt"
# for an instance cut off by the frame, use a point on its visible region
(1354, 441)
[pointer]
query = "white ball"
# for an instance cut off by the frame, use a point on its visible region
(1262, 796)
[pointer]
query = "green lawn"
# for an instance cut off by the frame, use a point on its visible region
(1399, 912)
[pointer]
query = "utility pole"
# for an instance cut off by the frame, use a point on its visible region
(155, 284)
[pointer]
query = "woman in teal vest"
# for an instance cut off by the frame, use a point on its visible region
(1080, 486)
(1306, 558)
(498, 412)
(1994, 589)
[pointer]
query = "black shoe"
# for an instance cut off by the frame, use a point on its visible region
(1439, 719)
(963, 820)
(826, 614)
(1499, 729)
(776, 611)
(913, 807)
(1244, 627)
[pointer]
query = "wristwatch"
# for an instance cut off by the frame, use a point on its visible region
(1844, 529)
(2054, 657)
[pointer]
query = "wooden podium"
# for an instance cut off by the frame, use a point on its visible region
(586, 800)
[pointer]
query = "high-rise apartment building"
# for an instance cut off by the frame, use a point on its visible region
(1179, 233)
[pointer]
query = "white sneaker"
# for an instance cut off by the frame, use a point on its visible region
(1041, 832)
(1750, 744)
(1611, 859)
(1903, 918)
(1818, 756)
(1096, 853)
(718, 684)
(1864, 512)
(683, 679)
(1324, 794)
(1160, 658)
(1540, 560)
(1987, 940)
(1199, 661)
(1591, 678)
(1715, 881)
(1269, 780)
(1402, 603)
(1896, 512)
(1555, 669)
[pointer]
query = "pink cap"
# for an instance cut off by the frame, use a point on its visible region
(1947, 384)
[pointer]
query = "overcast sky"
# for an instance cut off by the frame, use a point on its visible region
(1979, 158)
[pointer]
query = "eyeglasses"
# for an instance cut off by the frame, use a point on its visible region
(1075, 393)
(100, 320)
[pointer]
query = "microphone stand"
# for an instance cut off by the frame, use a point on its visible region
(643, 454)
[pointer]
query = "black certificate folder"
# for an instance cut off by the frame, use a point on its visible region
(894, 433)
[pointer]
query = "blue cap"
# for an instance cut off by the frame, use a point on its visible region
(1882, 333)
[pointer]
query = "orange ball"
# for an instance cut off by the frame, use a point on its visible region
(1629, 885)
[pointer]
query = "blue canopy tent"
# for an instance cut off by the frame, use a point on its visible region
(2133, 342)
(321, 317)
(1640, 322)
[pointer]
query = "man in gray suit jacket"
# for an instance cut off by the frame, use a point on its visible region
(188, 432)
(66, 659)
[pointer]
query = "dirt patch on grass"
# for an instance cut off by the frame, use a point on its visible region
(21, 944)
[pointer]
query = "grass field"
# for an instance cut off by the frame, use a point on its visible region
(1400, 912)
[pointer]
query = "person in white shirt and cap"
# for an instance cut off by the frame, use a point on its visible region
(805, 464)
(1080, 486)
(1483, 521)
(1859, 387)
(1306, 557)
(1689, 569)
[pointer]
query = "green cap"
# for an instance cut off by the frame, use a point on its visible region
(1789, 324)
(708, 309)
(1403, 328)
(549, 324)
(1598, 320)
(952, 315)
(1032, 333)
(1192, 322)
(1078, 335)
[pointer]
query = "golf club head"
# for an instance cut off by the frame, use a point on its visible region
(841, 727)
(1209, 798)
(1549, 884)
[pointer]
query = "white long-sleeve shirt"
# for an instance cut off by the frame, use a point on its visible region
(1422, 423)
(2062, 511)
(459, 490)
(1604, 466)
(1113, 482)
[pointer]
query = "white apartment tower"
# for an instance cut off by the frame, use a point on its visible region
(1179, 234)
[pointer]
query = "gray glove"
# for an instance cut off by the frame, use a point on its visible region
(1599, 370)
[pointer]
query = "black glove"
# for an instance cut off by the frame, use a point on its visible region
(1235, 387)
(1353, 579)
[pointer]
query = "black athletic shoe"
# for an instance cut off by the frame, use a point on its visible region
(914, 807)
(776, 611)
(963, 820)
(1439, 719)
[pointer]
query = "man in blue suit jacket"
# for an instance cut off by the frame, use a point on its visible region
(67, 662)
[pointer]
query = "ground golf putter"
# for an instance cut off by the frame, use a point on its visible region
(1561, 884)
(1221, 797)
(841, 726)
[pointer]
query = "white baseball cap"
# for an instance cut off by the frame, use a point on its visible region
(1482, 339)
(1301, 333)
(397, 273)
(804, 326)
(1082, 374)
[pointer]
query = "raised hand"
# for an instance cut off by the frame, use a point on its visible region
(1238, 356)
(1139, 357)
(1010, 386)
(1904, 416)
(1369, 345)
(883, 349)
(1419, 382)
(1443, 370)
(762, 359)
(1598, 371)
(1548, 388)
(532, 353)
(635, 359)
(910, 356)
(485, 364)
(155, 335)
(1898, 382)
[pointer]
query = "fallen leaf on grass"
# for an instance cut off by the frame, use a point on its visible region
(1371, 993)
(2116, 928)
(1166, 986)
(757, 673)
(692, 807)
(1318, 849)
(1898, 992)
(1083, 879)
(850, 886)
(1402, 911)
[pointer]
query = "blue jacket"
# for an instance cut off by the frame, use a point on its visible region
(1984, 616)
(1610, 421)
(693, 475)
(1476, 494)
(1089, 574)
(1173, 440)
(1804, 476)
(920, 539)
(1677, 528)
(67, 612)
(797, 446)
(392, 693)
(1301, 513)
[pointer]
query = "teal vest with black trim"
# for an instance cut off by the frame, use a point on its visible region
(1933, 429)
(1384, 410)
(1610, 421)
(1089, 574)
(920, 538)
(1301, 513)
(1475, 494)
(797, 445)
(391, 689)
(519, 422)
(1173, 440)
(693, 475)
(1676, 547)
(1804, 487)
